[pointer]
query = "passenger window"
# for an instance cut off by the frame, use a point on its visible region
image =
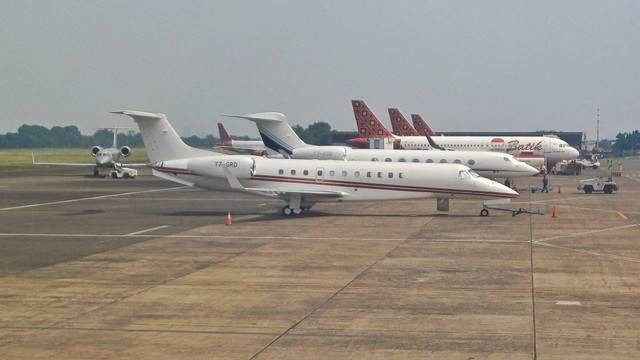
(457, 161)
(387, 159)
(293, 172)
(281, 172)
(415, 160)
(368, 173)
(356, 174)
(379, 174)
(429, 160)
(306, 172)
(401, 160)
(344, 173)
(319, 172)
(471, 162)
(374, 159)
(390, 175)
(400, 175)
(332, 173)
(443, 161)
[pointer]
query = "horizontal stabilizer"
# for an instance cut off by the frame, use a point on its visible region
(265, 116)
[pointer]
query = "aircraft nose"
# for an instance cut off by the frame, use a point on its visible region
(528, 169)
(574, 153)
(503, 191)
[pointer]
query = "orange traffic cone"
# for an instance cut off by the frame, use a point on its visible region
(554, 213)
(230, 220)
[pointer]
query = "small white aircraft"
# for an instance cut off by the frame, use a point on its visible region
(254, 147)
(532, 149)
(278, 135)
(301, 183)
(106, 159)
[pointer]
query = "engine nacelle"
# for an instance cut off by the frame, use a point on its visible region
(96, 149)
(321, 153)
(125, 151)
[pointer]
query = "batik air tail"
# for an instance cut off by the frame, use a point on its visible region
(369, 127)
(254, 147)
(400, 125)
(421, 126)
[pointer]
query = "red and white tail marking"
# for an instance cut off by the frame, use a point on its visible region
(368, 124)
(225, 139)
(400, 125)
(421, 126)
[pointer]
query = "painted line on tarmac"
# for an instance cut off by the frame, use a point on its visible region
(589, 252)
(552, 200)
(541, 241)
(149, 230)
(189, 236)
(622, 215)
(596, 209)
(186, 199)
(473, 241)
(90, 198)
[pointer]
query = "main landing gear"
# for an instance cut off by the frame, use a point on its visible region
(288, 211)
(296, 206)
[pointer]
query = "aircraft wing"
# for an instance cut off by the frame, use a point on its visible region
(34, 162)
(235, 184)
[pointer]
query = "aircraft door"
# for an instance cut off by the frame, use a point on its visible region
(320, 174)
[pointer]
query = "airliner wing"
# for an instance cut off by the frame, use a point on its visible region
(235, 184)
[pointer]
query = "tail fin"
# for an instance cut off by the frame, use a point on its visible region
(275, 131)
(367, 121)
(160, 139)
(401, 126)
(225, 139)
(421, 126)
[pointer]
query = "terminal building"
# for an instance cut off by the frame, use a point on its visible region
(573, 138)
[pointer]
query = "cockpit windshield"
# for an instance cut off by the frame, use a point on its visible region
(463, 175)
(473, 173)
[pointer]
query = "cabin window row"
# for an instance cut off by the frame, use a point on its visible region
(442, 161)
(345, 173)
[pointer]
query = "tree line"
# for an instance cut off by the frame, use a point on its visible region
(627, 143)
(37, 136)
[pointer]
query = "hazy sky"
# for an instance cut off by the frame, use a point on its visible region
(464, 65)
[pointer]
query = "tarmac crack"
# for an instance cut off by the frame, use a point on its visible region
(336, 293)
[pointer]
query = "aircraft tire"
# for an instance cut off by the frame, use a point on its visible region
(286, 211)
(297, 211)
(484, 212)
(96, 172)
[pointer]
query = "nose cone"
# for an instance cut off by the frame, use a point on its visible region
(498, 190)
(528, 169)
(104, 160)
(574, 153)
(359, 142)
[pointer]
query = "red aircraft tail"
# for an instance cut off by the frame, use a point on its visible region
(401, 126)
(368, 124)
(421, 126)
(225, 139)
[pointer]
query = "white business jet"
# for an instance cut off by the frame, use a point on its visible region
(278, 136)
(105, 159)
(301, 183)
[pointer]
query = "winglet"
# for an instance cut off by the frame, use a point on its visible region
(368, 123)
(421, 126)
(233, 180)
(400, 125)
(433, 143)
